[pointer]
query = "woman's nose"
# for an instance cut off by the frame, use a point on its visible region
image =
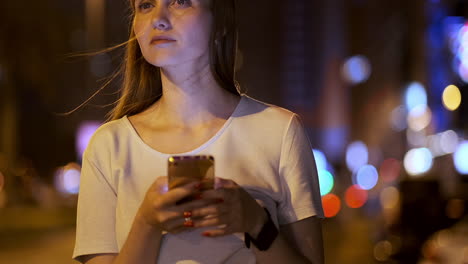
(160, 18)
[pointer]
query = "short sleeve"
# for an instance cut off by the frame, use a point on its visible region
(298, 173)
(95, 227)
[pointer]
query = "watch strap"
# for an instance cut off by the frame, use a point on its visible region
(266, 237)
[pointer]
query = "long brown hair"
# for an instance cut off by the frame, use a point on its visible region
(142, 86)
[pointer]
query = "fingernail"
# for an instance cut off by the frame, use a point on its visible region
(188, 223)
(187, 214)
(207, 234)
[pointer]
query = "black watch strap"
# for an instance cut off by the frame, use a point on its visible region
(266, 236)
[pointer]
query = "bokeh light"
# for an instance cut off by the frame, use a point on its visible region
(357, 155)
(451, 97)
(416, 138)
(460, 157)
(357, 69)
(84, 134)
(355, 197)
(390, 170)
(418, 161)
(448, 141)
(382, 250)
(389, 197)
(331, 205)
(463, 72)
(326, 181)
(419, 117)
(367, 177)
(320, 160)
(67, 179)
(398, 118)
(415, 95)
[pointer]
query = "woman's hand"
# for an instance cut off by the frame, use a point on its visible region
(159, 208)
(232, 210)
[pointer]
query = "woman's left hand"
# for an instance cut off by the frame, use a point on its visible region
(233, 210)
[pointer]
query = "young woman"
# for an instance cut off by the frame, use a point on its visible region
(180, 98)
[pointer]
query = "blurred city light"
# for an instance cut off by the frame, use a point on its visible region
(357, 69)
(418, 161)
(331, 205)
(67, 179)
(320, 160)
(326, 181)
(84, 134)
(451, 97)
(357, 155)
(367, 177)
(460, 157)
(463, 72)
(460, 48)
(419, 117)
(382, 250)
(390, 170)
(434, 145)
(448, 141)
(416, 138)
(415, 95)
(398, 118)
(389, 197)
(355, 197)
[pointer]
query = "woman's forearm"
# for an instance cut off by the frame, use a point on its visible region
(142, 244)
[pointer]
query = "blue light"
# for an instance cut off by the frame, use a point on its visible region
(367, 177)
(326, 182)
(357, 69)
(460, 158)
(320, 160)
(71, 181)
(84, 134)
(415, 95)
(357, 155)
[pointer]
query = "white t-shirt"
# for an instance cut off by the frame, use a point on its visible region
(261, 147)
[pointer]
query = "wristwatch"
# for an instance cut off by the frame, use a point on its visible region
(266, 236)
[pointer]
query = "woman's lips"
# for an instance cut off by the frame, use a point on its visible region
(161, 41)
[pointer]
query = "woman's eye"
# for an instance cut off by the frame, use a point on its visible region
(145, 6)
(181, 3)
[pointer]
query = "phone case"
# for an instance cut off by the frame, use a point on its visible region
(186, 169)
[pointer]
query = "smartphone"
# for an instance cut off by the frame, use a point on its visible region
(185, 169)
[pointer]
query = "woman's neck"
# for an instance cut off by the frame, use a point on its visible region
(192, 97)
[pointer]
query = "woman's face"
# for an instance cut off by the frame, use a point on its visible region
(172, 32)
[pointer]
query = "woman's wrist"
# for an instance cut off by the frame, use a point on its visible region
(143, 224)
(261, 219)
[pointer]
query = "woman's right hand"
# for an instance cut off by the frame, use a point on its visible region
(159, 208)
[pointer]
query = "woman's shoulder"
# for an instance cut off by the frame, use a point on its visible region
(266, 112)
(108, 135)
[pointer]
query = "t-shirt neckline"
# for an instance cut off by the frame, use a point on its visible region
(196, 150)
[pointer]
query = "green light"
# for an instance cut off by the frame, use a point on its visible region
(326, 182)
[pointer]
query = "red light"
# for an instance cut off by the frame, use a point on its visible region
(331, 205)
(355, 197)
(390, 170)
